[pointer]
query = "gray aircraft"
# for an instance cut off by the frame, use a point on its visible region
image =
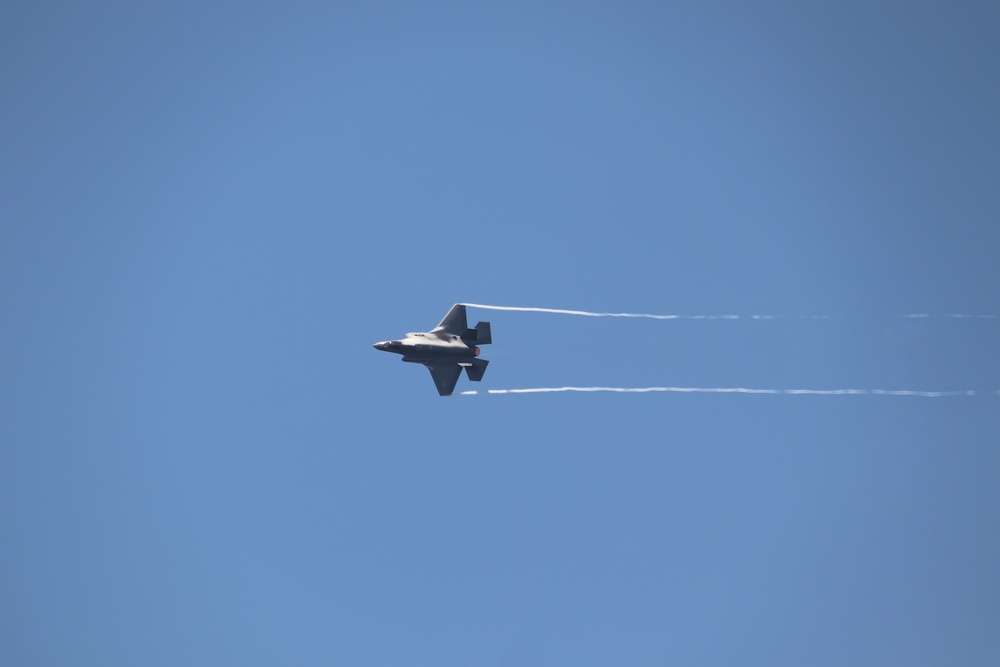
(446, 350)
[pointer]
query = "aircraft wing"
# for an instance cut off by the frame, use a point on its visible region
(454, 322)
(445, 377)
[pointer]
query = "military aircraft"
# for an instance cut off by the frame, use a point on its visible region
(446, 350)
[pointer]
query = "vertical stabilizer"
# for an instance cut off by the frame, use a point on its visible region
(484, 334)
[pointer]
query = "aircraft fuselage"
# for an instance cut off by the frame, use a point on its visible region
(424, 347)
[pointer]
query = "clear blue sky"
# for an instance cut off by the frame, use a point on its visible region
(210, 211)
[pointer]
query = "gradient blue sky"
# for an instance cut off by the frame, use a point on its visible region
(210, 211)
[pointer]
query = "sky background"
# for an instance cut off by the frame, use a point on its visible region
(210, 211)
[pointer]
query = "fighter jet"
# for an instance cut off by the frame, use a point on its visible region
(446, 350)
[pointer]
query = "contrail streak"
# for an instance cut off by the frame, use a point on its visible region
(951, 315)
(587, 313)
(730, 390)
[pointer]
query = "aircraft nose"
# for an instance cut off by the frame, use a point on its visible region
(377, 346)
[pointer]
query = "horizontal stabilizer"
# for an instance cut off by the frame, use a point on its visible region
(476, 370)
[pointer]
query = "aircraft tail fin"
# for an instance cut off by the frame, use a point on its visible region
(484, 334)
(481, 335)
(477, 369)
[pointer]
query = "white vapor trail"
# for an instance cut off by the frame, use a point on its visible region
(718, 390)
(951, 315)
(587, 313)
(730, 390)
